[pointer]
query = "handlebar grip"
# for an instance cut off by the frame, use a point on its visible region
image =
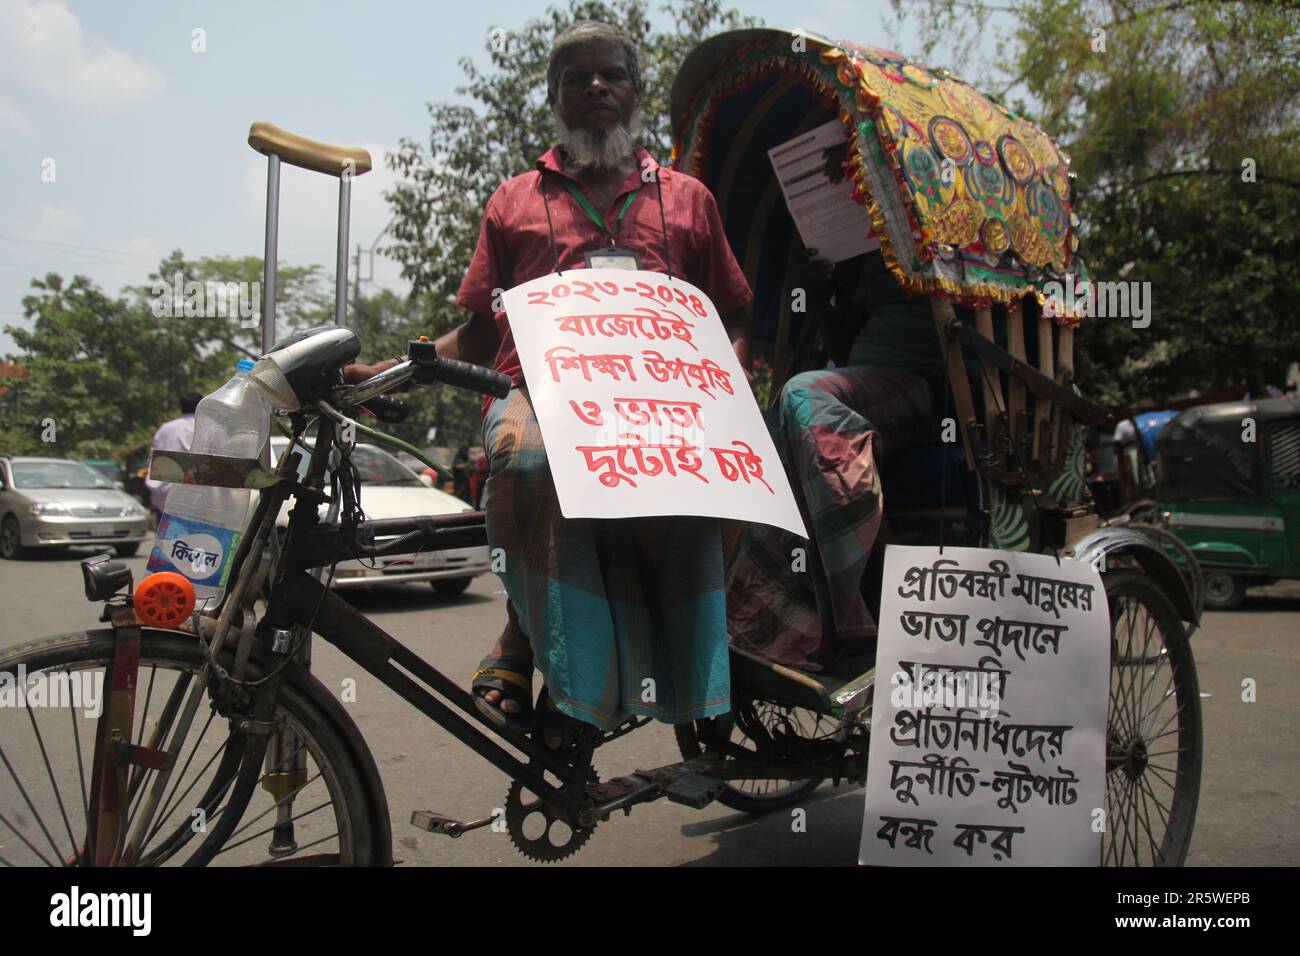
(476, 377)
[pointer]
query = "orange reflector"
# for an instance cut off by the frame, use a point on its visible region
(164, 599)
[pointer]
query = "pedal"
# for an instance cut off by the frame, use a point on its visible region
(432, 822)
(695, 790)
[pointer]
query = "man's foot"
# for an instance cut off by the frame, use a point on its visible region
(508, 688)
(510, 680)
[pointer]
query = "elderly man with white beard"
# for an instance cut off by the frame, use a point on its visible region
(622, 617)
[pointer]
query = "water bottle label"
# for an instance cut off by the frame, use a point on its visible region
(194, 548)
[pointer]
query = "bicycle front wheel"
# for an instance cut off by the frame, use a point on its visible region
(1153, 734)
(311, 807)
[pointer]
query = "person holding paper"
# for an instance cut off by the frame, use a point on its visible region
(622, 617)
(882, 395)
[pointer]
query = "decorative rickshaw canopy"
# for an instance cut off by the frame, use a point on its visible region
(969, 200)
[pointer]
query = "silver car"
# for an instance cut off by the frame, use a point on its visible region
(53, 503)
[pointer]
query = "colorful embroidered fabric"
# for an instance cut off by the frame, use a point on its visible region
(969, 200)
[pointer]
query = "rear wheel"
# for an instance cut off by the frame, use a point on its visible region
(311, 807)
(762, 796)
(11, 540)
(1224, 591)
(1153, 736)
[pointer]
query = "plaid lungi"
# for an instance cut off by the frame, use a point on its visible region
(625, 616)
(830, 429)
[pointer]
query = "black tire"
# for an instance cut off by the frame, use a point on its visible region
(126, 550)
(1151, 666)
(450, 587)
(11, 540)
(755, 796)
(47, 767)
(1224, 591)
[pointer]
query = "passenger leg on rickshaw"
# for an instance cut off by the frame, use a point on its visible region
(801, 603)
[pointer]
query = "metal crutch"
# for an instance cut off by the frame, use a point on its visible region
(286, 757)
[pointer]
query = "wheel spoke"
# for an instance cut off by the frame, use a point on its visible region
(299, 816)
(279, 803)
(40, 821)
(180, 776)
(1151, 840)
(49, 771)
(44, 858)
(197, 777)
(81, 767)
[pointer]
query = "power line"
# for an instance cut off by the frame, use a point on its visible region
(77, 249)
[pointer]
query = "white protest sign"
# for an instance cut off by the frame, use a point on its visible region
(642, 403)
(988, 743)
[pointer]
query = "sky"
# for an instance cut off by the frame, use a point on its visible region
(122, 141)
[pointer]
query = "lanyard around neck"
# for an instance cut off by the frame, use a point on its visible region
(550, 224)
(594, 214)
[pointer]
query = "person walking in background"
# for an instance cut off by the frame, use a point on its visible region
(460, 474)
(174, 435)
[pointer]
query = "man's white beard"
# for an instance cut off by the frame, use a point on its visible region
(598, 149)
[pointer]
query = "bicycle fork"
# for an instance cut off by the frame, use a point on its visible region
(114, 751)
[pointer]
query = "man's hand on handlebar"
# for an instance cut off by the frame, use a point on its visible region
(356, 373)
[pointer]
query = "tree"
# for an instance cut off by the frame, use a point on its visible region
(472, 149)
(107, 371)
(99, 370)
(385, 323)
(1182, 121)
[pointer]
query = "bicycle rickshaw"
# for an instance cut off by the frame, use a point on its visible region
(989, 238)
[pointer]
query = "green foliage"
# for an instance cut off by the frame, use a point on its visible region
(385, 323)
(1159, 124)
(108, 371)
(473, 148)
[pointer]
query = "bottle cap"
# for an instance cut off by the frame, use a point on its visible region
(244, 365)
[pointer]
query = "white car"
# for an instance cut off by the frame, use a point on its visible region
(391, 490)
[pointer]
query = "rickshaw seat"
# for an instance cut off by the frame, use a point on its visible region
(824, 693)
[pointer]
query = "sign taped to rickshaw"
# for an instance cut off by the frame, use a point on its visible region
(641, 400)
(989, 717)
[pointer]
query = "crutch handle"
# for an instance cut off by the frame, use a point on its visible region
(270, 140)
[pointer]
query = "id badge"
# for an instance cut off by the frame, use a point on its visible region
(612, 257)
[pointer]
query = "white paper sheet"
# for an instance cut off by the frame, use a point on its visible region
(643, 406)
(825, 214)
(988, 742)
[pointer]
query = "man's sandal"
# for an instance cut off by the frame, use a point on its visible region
(513, 677)
(557, 726)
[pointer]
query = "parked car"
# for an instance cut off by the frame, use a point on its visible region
(53, 503)
(391, 490)
(111, 470)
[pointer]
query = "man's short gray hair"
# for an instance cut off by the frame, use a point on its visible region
(582, 33)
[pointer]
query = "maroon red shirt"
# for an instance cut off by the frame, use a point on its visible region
(514, 242)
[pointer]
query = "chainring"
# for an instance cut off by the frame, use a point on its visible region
(541, 849)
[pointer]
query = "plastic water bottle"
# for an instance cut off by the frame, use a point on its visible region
(200, 530)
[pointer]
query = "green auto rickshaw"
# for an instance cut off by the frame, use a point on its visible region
(1230, 490)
